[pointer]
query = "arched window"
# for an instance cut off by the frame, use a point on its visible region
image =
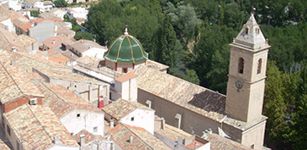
(241, 65)
(246, 30)
(259, 66)
(257, 30)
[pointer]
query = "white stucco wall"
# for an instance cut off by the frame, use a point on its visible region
(9, 25)
(63, 147)
(95, 53)
(204, 147)
(143, 118)
(87, 120)
(127, 89)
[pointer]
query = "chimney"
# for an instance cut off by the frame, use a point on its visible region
(14, 49)
(111, 123)
(100, 102)
(206, 133)
(130, 139)
(148, 102)
(56, 140)
(82, 140)
(178, 117)
(162, 123)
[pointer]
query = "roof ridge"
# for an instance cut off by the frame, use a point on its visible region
(138, 136)
(40, 122)
(10, 76)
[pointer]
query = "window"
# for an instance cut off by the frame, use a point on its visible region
(125, 70)
(241, 65)
(8, 130)
(253, 146)
(132, 118)
(246, 30)
(257, 30)
(95, 129)
(259, 66)
(78, 115)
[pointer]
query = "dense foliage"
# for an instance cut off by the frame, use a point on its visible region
(192, 37)
(60, 3)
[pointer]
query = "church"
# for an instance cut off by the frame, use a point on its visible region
(184, 105)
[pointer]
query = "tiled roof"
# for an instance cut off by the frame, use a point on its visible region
(84, 45)
(6, 13)
(126, 49)
(36, 126)
(54, 42)
(220, 143)
(26, 40)
(126, 77)
(141, 139)
(15, 83)
(61, 100)
(156, 65)
(48, 68)
(170, 132)
(120, 108)
(88, 137)
(183, 93)
(23, 24)
(9, 40)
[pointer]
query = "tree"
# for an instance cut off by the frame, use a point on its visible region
(275, 107)
(84, 35)
(184, 19)
(300, 127)
(60, 3)
(143, 18)
(168, 50)
(34, 13)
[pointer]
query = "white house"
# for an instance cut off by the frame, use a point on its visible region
(87, 48)
(75, 113)
(43, 6)
(8, 24)
(131, 113)
(15, 5)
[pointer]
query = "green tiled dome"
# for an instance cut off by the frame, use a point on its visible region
(126, 49)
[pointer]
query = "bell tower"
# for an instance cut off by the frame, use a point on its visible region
(247, 69)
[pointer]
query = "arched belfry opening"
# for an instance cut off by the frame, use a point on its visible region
(259, 66)
(241, 65)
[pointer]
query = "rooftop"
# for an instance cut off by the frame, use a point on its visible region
(251, 36)
(15, 83)
(126, 49)
(130, 138)
(84, 45)
(36, 126)
(121, 108)
(61, 100)
(183, 93)
(220, 143)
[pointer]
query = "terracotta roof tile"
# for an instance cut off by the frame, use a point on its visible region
(220, 143)
(141, 139)
(15, 83)
(36, 126)
(120, 108)
(61, 100)
(183, 93)
(126, 77)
